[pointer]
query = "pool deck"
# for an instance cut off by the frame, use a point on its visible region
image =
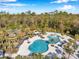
(24, 51)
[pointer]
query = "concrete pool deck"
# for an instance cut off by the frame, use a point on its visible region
(24, 51)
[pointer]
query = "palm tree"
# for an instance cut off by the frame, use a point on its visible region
(68, 49)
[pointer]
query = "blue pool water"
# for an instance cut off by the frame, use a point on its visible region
(53, 39)
(39, 46)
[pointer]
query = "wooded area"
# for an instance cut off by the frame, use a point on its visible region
(54, 21)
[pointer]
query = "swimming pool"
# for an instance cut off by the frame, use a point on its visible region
(41, 46)
(53, 39)
(38, 46)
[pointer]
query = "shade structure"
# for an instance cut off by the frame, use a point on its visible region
(38, 46)
(53, 39)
